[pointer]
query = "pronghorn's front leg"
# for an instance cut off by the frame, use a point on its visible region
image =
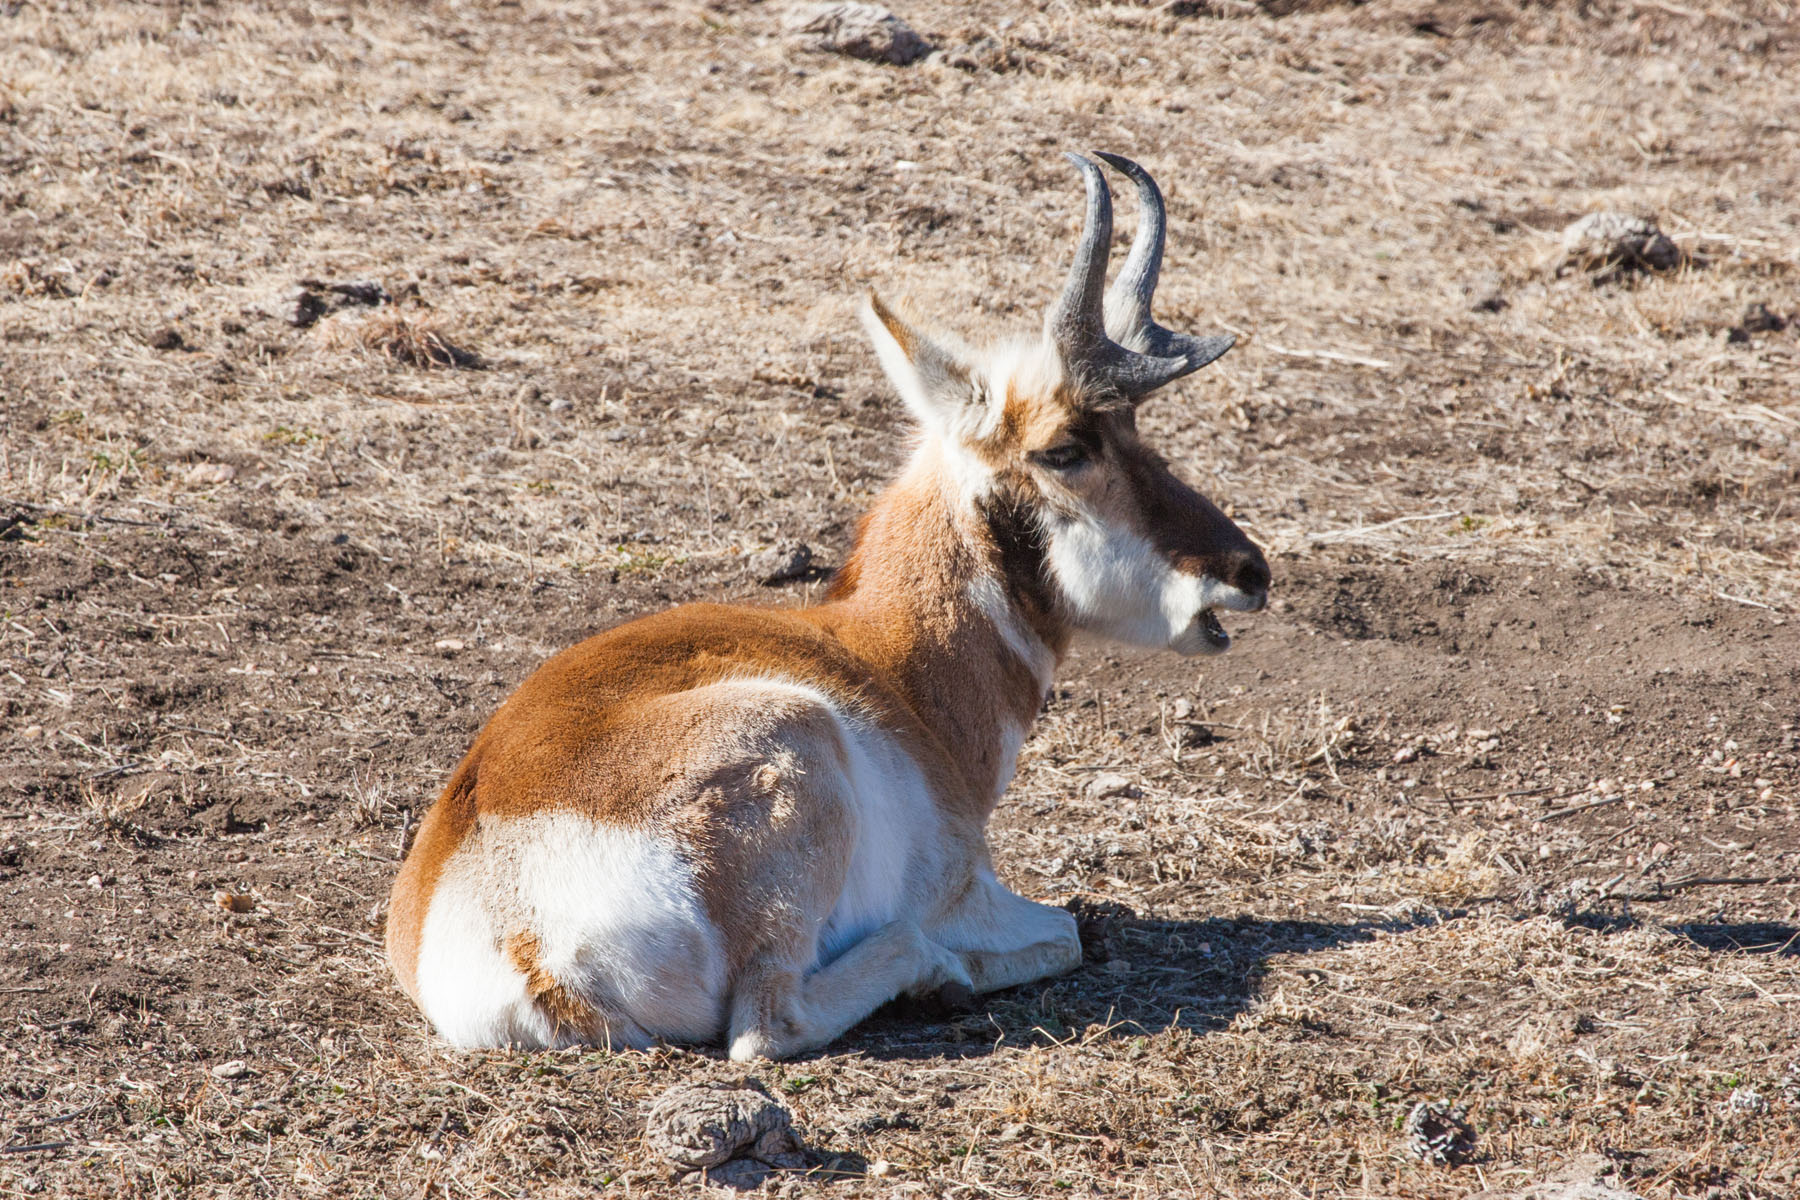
(1004, 939)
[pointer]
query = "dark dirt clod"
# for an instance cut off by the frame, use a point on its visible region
(299, 306)
(1760, 318)
(1607, 244)
(365, 292)
(309, 300)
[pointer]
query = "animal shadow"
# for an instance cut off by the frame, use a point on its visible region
(1142, 975)
(1139, 976)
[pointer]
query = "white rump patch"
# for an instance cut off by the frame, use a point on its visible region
(618, 922)
(617, 914)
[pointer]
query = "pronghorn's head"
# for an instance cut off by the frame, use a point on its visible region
(1089, 527)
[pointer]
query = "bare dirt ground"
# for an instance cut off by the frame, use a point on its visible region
(1496, 807)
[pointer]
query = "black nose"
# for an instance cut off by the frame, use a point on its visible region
(1248, 572)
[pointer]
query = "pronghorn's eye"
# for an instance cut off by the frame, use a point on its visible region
(1065, 457)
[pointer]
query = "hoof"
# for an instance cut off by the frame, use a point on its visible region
(955, 998)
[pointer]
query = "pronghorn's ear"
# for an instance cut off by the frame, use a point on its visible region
(937, 383)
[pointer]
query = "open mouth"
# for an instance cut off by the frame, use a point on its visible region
(1210, 629)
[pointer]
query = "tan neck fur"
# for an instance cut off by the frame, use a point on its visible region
(904, 603)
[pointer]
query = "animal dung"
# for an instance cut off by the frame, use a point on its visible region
(734, 1133)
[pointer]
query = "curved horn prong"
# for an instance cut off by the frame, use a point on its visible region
(1127, 313)
(1083, 325)
(1076, 326)
(1128, 300)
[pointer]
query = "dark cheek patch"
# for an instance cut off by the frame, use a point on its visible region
(1020, 545)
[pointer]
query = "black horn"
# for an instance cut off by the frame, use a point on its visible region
(1128, 318)
(1114, 341)
(1077, 325)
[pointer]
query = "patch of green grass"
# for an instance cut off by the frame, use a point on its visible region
(644, 562)
(283, 435)
(112, 460)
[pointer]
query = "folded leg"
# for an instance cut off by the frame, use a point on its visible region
(776, 1012)
(1004, 939)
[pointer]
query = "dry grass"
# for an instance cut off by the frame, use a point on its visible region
(1535, 543)
(409, 341)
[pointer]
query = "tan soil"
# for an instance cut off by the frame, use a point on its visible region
(1446, 824)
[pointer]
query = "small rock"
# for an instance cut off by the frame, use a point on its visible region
(865, 31)
(1748, 1100)
(235, 902)
(1438, 1132)
(448, 644)
(1108, 785)
(985, 53)
(781, 564)
(353, 291)
(235, 1069)
(706, 1126)
(1182, 709)
(32, 733)
(208, 474)
(1760, 318)
(299, 306)
(1607, 244)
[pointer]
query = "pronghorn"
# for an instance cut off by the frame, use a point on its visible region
(760, 825)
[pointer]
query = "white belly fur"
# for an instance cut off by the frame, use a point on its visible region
(896, 859)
